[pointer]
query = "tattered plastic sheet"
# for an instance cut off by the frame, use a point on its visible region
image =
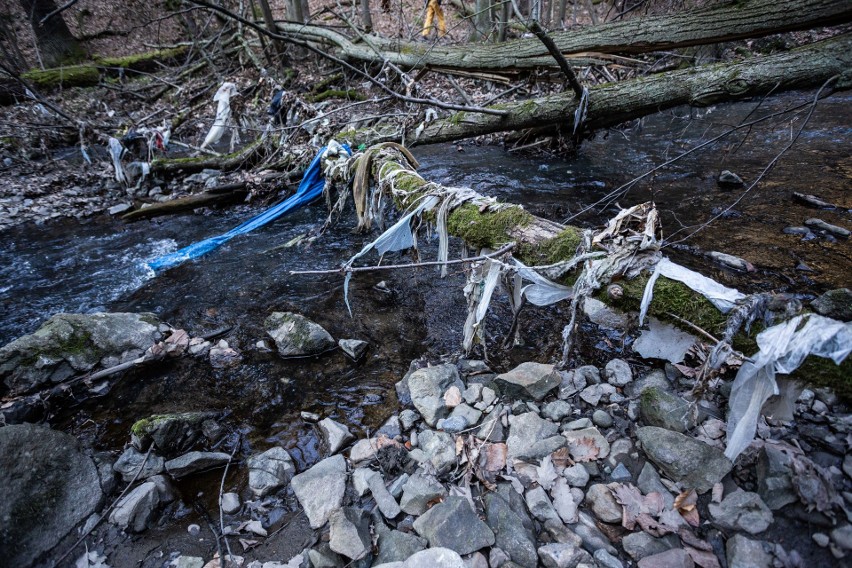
(487, 286)
(542, 292)
(720, 296)
(223, 113)
(783, 348)
(115, 152)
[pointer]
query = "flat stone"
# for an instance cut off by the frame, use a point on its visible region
(188, 562)
(455, 525)
(270, 470)
(440, 448)
(119, 208)
(663, 341)
(320, 489)
(774, 478)
(621, 473)
(128, 463)
(427, 387)
(193, 462)
(384, 500)
(742, 511)
(512, 536)
(661, 408)
(685, 460)
(418, 492)
(593, 394)
(230, 503)
(572, 383)
(557, 410)
(656, 378)
(491, 428)
(640, 544)
(618, 373)
(49, 486)
(539, 504)
(674, 558)
(576, 475)
(322, 556)
(578, 424)
(532, 380)
(587, 444)
(603, 504)
(297, 336)
(531, 437)
(558, 555)
(354, 348)
(136, 510)
(335, 434)
(396, 546)
(453, 424)
(434, 558)
(743, 552)
(473, 393)
(601, 419)
(470, 415)
(361, 480)
(835, 304)
(828, 227)
(350, 532)
(605, 316)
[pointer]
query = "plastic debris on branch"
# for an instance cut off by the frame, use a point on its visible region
(310, 188)
(223, 114)
(783, 348)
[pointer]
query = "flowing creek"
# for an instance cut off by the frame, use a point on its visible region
(99, 265)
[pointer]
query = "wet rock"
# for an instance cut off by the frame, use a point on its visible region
(663, 341)
(171, 434)
(531, 437)
(649, 482)
(593, 394)
(556, 410)
(729, 179)
(640, 544)
(603, 504)
(434, 558)
(827, 227)
(674, 558)
(586, 444)
(774, 478)
(354, 348)
(396, 546)
(685, 460)
(533, 380)
(49, 486)
(601, 419)
(68, 344)
(455, 525)
(743, 552)
(418, 492)
(194, 462)
(320, 489)
(335, 434)
(618, 373)
(297, 336)
(230, 503)
(440, 449)
(223, 355)
(427, 387)
(270, 470)
(407, 419)
(539, 504)
(576, 475)
(511, 533)
(309, 416)
(136, 510)
(350, 532)
(661, 408)
(129, 462)
(835, 304)
(559, 555)
(742, 511)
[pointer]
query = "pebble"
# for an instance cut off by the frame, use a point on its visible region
(821, 539)
(602, 419)
(230, 503)
(194, 530)
(621, 473)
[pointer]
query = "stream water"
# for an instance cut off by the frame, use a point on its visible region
(100, 264)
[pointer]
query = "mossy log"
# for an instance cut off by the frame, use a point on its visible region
(540, 241)
(233, 193)
(245, 158)
(727, 21)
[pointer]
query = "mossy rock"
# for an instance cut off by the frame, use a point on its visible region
(297, 336)
(171, 433)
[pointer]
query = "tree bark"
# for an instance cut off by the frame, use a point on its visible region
(55, 43)
(280, 51)
(615, 103)
(366, 17)
(725, 22)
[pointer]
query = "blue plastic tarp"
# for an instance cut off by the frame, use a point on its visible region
(310, 188)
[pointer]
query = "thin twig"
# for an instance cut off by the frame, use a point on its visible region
(221, 490)
(343, 269)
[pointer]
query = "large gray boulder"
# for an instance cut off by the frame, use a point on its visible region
(688, 461)
(455, 525)
(49, 486)
(69, 344)
(297, 336)
(528, 380)
(427, 387)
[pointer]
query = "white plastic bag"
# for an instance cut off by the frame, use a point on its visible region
(223, 113)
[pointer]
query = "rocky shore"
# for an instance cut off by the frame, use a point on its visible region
(589, 467)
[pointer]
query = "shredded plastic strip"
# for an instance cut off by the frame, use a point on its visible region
(310, 188)
(783, 348)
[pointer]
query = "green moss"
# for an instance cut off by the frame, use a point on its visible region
(561, 247)
(488, 229)
(350, 94)
(457, 118)
(72, 76)
(141, 59)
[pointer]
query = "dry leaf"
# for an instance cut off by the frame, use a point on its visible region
(562, 458)
(453, 397)
(246, 543)
(459, 445)
(583, 450)
(546, 473)
(635, 505)
(493, 457)
(685, 504)
(718, 492)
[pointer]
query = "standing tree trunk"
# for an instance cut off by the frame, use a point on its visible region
(280, 50)
(366, 18)
(481, 20)
(503, 21)
(54, 42)
(306, 10)
(294, 11)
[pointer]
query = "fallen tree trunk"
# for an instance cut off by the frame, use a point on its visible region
(232, 193)
(615, 103)
(725, 22)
